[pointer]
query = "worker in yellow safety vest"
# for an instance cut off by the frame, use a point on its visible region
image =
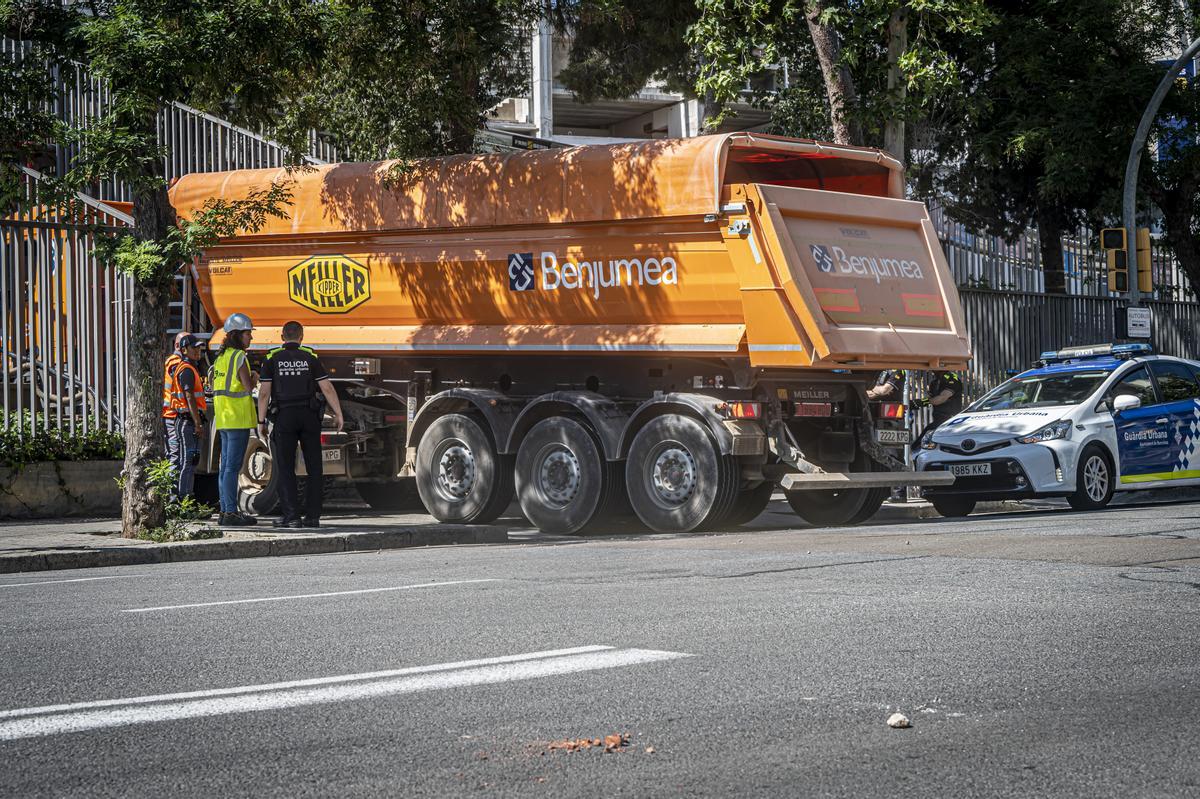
(232, 384)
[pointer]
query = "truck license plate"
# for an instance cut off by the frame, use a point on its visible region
(971, 469)
(331, 454)
(893, 437)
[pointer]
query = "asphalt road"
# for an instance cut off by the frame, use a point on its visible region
(1036, 654)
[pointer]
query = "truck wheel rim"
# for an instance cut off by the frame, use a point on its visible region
(558, 476)
(456, 470)
(256, 468)
(1095, 478)
(672, 478)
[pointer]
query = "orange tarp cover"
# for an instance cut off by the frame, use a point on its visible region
(638, 180)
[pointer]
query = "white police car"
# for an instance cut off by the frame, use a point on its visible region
(1086, 422)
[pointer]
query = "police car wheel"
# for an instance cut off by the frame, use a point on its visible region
(460, 476)
(677, 479)
(952, 507)
(1093, 480)
(560, 474)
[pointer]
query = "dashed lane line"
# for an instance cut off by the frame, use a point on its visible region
(84, 716)
(305, 596)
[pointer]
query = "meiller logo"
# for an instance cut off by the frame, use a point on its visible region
(831, 259)
(612, 273)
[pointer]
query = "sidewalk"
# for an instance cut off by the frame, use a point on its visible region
(85, 543)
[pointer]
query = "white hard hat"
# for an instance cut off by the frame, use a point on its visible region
(238, 321)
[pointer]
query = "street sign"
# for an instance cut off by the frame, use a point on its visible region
(1137, 322)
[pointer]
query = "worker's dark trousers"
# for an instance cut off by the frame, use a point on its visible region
(298, 425)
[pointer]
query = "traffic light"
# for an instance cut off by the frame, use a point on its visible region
(1116, 252)
(1145, 275)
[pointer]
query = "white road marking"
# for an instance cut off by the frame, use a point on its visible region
(74, 580)
(305, 596)
(80, 717)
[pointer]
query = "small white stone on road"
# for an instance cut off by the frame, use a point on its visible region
(898, 721)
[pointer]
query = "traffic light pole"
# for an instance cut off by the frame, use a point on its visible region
(1129, 199)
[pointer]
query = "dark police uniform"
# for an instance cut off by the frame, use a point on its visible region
(294, 372)
(895, 377)
(945, 381)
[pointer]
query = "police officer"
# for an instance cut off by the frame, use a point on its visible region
(888, 386)
(289, 381)
(945, 396)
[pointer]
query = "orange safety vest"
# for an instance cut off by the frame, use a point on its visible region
(173, 361)
(178, 404)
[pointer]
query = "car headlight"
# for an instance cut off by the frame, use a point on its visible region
(927, 441)
(1051, 432)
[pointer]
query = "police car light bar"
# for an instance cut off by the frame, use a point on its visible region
(1095, 351)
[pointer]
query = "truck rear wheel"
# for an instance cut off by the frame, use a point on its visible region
(460, 476)
(391, 495)
(831, 508)
(562, 480)
(749, 504)
(258, 481)
(677, 479)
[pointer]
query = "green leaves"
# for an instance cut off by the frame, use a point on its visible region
(26, 441)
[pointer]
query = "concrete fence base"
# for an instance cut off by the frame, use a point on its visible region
(60, 488)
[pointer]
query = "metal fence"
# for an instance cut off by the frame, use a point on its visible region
(981, 261)
(1008, 329)
(64, 320)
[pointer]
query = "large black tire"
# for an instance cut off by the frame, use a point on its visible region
(391, 496)
(952, 507)
(750, 503)
(830, 508)
(1094, 479)
(563, 483)
(874, 500)
(677, 479)
(460, 476)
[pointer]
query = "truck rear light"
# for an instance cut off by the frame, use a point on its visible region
(366, 367)
(814, 409)
(742, 409)
(394, 418)
(326, 438)
(891, 410)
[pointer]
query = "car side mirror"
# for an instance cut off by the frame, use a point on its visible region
(1125, 402)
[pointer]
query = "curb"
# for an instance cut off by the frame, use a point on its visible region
(221, 549)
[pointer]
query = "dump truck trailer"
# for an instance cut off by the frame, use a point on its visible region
(670, 329)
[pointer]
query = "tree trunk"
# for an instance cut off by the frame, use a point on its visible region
(839, 83)
(893, 133)
(1177, 206)
(1050, 236)
(142, 512)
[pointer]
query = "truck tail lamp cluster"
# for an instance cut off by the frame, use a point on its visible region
(366, 367)
(740, 410)
(891, 410)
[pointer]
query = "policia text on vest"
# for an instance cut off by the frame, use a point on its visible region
(289, 384)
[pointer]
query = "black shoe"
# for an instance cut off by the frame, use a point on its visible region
(310, 522)
(237, 520)
(291, 524)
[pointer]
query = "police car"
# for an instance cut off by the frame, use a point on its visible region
(1086, 422)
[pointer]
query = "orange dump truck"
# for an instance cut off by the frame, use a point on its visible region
(670, 327)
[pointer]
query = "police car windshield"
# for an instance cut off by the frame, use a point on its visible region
(1042, 390)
